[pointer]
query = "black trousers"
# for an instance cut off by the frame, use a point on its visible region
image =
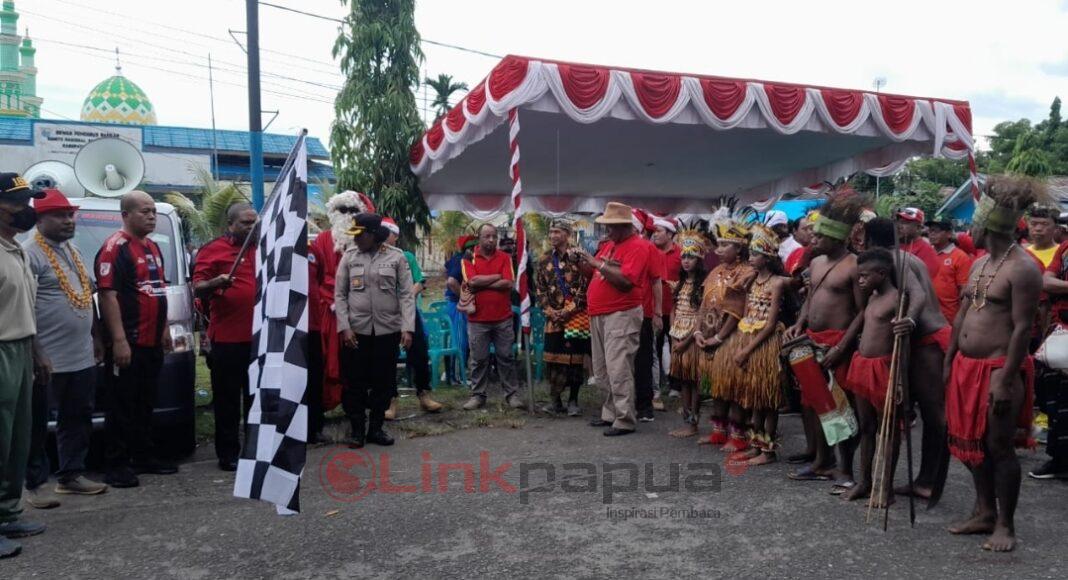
(229, 363)
(131, 396)
(314, 393)
(418, 360)
(371, 373)
(73, 395)
(660, 340)
(1051, 390)
(643, 374)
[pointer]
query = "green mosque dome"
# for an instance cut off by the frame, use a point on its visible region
(118, 100)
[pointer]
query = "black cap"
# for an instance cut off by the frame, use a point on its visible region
(371, 222)
(14, 188)
(943, 225)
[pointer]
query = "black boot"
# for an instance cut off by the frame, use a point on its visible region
(376, 434)
(358, 437)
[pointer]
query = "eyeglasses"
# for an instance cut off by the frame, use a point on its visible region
(344, 209)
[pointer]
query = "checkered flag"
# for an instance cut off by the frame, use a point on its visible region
(276, 432)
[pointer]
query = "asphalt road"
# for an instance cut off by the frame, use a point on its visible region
(717, 524)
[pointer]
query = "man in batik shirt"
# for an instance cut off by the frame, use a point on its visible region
(561, 291)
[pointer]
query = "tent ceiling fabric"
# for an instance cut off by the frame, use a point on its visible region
(667, 142)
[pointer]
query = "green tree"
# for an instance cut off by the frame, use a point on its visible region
(447, 228)
(1003, 143)
(443, 90)
(376, 120)
(204, 215)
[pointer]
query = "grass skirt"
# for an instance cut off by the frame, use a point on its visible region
(685, 364)
(764, 376)
(720, 377)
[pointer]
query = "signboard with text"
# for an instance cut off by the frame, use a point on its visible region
(61, 141)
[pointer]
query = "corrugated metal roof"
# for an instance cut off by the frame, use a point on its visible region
(240, 171)
(16, 129)
(190, 138)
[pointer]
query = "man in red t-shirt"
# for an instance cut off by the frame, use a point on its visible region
(133, 307)
(664, 232)
(646, 359)
(953, 272)
(614, 301)
(230, 301)
(909, 224)
(489, 276)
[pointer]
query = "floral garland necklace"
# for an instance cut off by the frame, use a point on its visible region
(80, 301)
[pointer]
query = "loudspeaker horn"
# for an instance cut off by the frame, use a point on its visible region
(54, 175)
(109, 167)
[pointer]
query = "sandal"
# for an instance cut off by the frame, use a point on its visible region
(842, 486)
(809, 473)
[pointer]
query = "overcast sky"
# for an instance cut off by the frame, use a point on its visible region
(1008, 58)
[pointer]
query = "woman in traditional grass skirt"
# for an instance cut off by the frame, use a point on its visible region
(760, 393)
(722, 306)
(685, 369)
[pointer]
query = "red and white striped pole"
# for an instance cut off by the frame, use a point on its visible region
(517, 219)
(974, 175)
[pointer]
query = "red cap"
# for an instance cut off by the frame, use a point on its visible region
(462, 241)
(910, 214)
(53, 200)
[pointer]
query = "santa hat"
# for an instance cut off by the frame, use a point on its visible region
(351, 198)
(641, 220)
(668, 223)
(389, 224)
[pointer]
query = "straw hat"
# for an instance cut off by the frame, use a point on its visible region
(616, 213)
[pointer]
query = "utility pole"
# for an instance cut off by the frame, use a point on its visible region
(255, 124)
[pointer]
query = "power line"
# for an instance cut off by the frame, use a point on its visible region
(238, 70)
(331, 67)
(342, 21)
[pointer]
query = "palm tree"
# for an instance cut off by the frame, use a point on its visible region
(443, 90)
(208, 221)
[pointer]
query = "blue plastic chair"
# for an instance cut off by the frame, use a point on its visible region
(441, 343)
(537, 341)
(438, 306)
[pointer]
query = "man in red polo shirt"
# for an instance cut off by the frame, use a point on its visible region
(230, 302)
(909, 224)
(133, 306)
(614, 301)
(488, 275)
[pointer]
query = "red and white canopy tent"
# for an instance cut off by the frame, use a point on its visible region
(665, 142)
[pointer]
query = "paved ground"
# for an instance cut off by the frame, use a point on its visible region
(755, 524)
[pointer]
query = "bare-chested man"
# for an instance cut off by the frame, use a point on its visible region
(931, 333)
(829, 316)
(989, 390)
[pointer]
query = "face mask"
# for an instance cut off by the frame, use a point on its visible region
(24, 219)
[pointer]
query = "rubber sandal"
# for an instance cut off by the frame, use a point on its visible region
(799, 458)
(808, 474)
(840, 487)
